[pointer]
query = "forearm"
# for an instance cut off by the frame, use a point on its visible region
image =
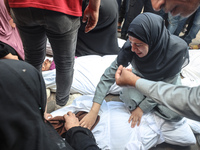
(81, 138)
(181, 99)
(94, 4)
(106, 81)
(95, 108)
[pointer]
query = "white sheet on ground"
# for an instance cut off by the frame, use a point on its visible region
(191, 72)
(88, 70)
(114, 132)
(87, 73)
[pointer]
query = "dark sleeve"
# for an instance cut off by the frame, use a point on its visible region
(81, 139)
(3, 50)
(125, 55)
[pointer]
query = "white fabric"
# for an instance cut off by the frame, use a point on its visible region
(114, 132)
(195, 125)
(191, 72)
(87, 73)
(88, 70)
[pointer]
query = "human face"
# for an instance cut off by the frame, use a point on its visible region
(140, 48)
(176, 7)
(46, 65)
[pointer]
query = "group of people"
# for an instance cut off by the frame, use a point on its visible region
(152, 51)
(189, 26)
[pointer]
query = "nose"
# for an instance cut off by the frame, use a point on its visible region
(133, 48)
(157, 4)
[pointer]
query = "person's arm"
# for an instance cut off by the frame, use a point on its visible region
(181, 99)
(10, 56)
(91, 14)
(106, 81)
(78, 137)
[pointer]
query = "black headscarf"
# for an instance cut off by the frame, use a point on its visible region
(22, 105)
(167, 53)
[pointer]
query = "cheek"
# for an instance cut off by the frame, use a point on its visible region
(188, 10)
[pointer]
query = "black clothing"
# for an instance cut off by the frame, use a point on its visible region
(102, 40)
(22, 106)
(167, 53)
(5, 49)
(135, 8)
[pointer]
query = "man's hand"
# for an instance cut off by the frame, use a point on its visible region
(91, 15)
(124, 76)
(135, 117)
(70, 120)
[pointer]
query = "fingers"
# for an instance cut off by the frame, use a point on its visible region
(135, 121)
(118, 74)
(139, 120)
(70, 113)
(90, 25)
(84, 125)
(85, 17)
(47, 116)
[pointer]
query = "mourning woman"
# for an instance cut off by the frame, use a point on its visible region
(154, 54)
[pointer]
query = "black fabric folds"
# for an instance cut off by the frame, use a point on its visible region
(22, 105)
(102, 40)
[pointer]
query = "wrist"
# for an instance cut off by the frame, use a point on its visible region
(94, 5)
(135, 80)
(95, 108)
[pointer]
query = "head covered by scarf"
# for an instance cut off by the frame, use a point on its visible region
(167, 53)
(22, 105)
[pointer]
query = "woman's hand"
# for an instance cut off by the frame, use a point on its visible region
(135, 117)
(47, 116)
(71, 120)
(89, 120)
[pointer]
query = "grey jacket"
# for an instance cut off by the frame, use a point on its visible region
(132, 97)
(181, 99)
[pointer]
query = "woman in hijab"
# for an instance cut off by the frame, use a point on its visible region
(154, 54)
(10, 42)
(22, 105)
